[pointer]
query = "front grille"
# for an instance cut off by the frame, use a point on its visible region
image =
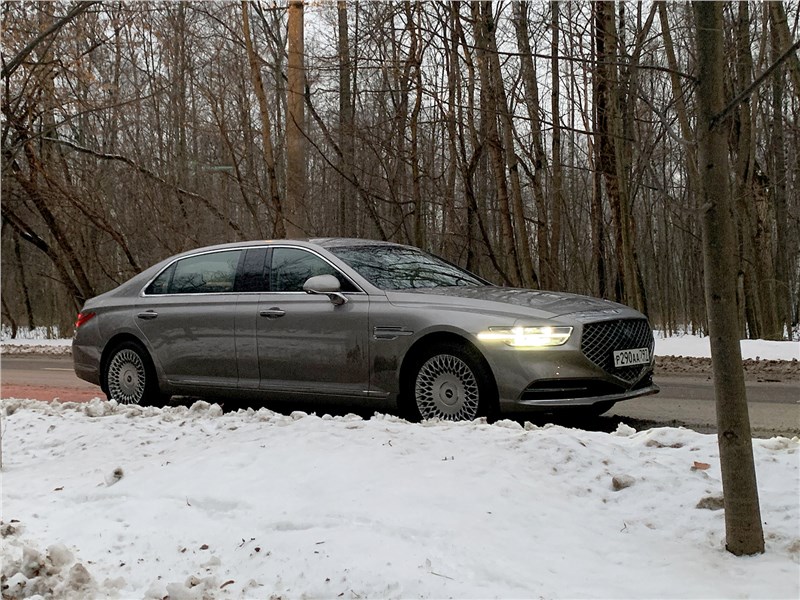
(600, 340)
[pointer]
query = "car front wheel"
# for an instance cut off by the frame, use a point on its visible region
(130, 377)
(450, 382)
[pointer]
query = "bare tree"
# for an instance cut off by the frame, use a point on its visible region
(133, 131)
(268, 150)
(742, 513)
(295, 213)
(347, 191)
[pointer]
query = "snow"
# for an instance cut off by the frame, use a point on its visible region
(102, 500)
(696, 346)
(44, 336)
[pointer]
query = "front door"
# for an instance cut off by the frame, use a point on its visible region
(306, 343)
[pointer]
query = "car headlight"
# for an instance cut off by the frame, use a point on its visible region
(527, 337)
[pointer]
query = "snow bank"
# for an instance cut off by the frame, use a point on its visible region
(194, 503)
(700, 347)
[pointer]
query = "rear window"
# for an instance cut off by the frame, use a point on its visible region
(210, 273)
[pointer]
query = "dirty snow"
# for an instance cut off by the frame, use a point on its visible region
(101, 500)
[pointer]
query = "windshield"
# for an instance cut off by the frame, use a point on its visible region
(400, 268)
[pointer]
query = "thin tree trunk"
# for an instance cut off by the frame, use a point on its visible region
(278, 227)
(744, 534)
(547, 267)
(295, 215)
(599, 85)
(528, 274)
(415, 57)
(778, 22)
(557, 185)
(482, 15)
(23, 283)
(347, 191)
(779, 176)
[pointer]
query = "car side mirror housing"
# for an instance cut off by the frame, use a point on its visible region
(328, 285)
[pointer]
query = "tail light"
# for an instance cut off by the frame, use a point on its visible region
(83, 318)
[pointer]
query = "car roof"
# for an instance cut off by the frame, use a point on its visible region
(335, 242)
(324, 242)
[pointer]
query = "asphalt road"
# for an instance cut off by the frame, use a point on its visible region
(684, 400)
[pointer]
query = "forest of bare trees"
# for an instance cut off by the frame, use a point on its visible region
(547, 145)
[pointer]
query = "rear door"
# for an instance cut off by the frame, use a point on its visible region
(187, 314)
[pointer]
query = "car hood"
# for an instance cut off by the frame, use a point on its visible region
(535, 303)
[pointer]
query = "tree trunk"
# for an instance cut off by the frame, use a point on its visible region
(597, 219)
(295, 213)
(547, 267)
(278, 228)
(779, 176)
(528, 277)
(557, 184)
(744, 534)
(482, 15)
(347, 191)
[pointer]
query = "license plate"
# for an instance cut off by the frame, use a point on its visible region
(627, 358)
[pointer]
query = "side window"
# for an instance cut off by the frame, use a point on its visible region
(291, 267)
(251, 278)
(207, 273)
(160, 285)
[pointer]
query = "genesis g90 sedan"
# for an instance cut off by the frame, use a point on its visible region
(357, 320)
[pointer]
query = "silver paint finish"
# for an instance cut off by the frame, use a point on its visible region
(305, 344)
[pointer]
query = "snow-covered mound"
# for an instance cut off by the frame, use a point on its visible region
(101, 500)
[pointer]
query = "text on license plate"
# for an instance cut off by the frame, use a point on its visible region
(626, 358)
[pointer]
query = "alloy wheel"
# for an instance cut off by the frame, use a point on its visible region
(446, 388)
(126, 377)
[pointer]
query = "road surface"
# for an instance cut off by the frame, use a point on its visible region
(685, 400)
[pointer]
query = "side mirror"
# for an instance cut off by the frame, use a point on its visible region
(328, 285)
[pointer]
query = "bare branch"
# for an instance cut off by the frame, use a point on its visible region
(748, 91)
(147, 172)
(15, 62)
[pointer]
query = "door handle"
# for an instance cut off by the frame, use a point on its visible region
(147, 315)
(272, 313)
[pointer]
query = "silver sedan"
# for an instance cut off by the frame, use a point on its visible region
(357, 320)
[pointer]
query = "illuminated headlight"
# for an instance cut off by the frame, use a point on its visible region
(527, 337)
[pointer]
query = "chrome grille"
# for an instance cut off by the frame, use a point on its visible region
(600, 340)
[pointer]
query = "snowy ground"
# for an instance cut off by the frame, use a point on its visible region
(699, 347)
(100, 500)
(104, 500)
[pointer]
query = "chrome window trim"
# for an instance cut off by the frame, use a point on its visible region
(142, 293)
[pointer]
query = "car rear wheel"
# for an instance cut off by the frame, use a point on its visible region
(130, 377)
(449, 382)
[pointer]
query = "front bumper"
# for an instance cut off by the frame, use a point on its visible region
(588, 400)
(559, 377)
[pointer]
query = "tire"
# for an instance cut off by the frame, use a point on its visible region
(449, 381)
(130, 378)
